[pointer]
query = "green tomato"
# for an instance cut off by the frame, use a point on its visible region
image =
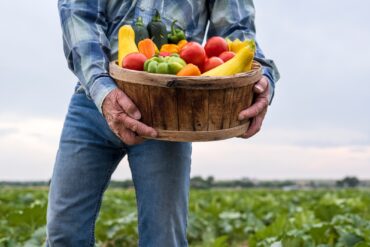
(174, 68)
(177, 60)
(157, 59)
(146, 64)
(162, 68)
(152, 67)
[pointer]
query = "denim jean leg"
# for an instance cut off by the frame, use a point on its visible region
(88, 154)
(161, 175)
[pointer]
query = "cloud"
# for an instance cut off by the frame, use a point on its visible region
(7, 131)
(28, 153)
(232, 159)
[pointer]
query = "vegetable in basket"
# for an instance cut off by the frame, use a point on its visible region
(141, 32)
(164, 65)
(176, 34)
(157, 30)
(134, 61)
(189, 70)
(171, 48)
(147, 47)
(237, 44)
(193, 53)
(126, 42)
(215, 46)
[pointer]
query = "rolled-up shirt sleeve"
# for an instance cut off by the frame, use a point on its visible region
(235, 19)
(86, 46)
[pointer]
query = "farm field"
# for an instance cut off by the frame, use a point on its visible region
(218, 218)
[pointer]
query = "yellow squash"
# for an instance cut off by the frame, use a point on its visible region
(235, 65)
(237, 44)
(126, 42)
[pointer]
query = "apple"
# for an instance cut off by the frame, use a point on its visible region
(215, 46)
(226, 55)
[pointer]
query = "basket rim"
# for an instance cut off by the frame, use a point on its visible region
(190, 82)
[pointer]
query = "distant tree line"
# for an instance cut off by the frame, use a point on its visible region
(198, 182)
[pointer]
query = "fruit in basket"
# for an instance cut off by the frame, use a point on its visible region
(140, 30)
(215, 46)
(189, 70)
(226, 55)
(235, 65)
(126, 42)
(157, 30)
(193, 53)
(134, 61)
(211, 63)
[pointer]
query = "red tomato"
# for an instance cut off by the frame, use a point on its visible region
(215, 46)
(134, 61)
(226, 55)
(193, 53)
(211, 63)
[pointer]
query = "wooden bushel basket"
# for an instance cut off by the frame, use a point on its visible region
(190, 109)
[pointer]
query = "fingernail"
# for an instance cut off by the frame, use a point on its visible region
(259, 88)
(241, 117)
(137, 115)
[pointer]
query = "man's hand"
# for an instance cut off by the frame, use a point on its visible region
(122, 116)
(257, 111)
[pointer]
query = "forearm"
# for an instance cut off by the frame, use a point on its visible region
(86, 46)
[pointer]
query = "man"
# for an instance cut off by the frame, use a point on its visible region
(102, 123)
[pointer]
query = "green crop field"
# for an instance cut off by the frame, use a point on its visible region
(255, 217)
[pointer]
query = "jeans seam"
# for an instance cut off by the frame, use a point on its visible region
(98, 204)
(137, 206)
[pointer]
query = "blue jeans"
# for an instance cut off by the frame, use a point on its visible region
(88, 154)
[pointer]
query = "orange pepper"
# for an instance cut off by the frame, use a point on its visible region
(172, 48)
(189, 70)
(147, 47)
(182, 43)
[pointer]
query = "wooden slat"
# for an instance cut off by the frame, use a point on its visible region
(140, 97)
(238, 103)
(164, 108)
(200, 110)
(228, 104)
(215, 109)
(200, 136)
(184, 109)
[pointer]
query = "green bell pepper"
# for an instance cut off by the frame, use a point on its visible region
(176, 34)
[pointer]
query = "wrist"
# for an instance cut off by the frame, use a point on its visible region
(100, 89)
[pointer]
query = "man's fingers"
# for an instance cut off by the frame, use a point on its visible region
(255, 126)
(260, 105)
(128, 106)
(261, 85)
(136, 126)
(129, 137)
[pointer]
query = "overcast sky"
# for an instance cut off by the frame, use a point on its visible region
(317, 127)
